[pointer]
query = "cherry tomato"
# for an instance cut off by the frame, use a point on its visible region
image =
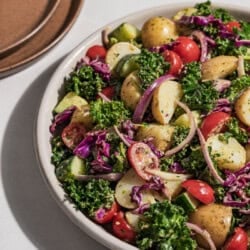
(96, 51)
(141, 158)
(103, 216)
(108, 92)
(199, 190)
(214, 123)
(238, 241)
(231, 25)
(122, 229)
(73, 134)
(187, 49)
(174, 60)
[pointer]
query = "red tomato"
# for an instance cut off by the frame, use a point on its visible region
(103, 216)
(200, 190)
(73, 134)
(96, 51)
(141, 158)
(174, 60)
(122, 229)
(231, 25)
(214, 123)
(108, 92)
(238, 241)
(187, 49)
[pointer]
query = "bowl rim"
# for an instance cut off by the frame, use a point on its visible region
(88, 226)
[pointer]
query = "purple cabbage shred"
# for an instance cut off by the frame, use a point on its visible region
(223, 105)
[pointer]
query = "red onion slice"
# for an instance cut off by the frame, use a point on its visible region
(208, 158)
(104, 97)
(146, 98)
(203, 42)
(105, 39)
(191, 130)
(240, 67)
(203, 233)
(108, 177)
(126, 142)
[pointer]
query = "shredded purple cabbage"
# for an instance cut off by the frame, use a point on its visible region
(239, 43)
(155, 184)
(156, 151)
(177, 168)
(95, 143)
(61, 118)
(223, 105)
(237, 182)
(221, 85)
(129, 129)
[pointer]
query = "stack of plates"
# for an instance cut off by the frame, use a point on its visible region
(29, 28)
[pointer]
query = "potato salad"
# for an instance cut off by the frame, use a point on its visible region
(151, 135)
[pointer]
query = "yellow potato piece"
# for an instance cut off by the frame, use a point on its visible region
(228, 155)
(218, 67)
(164, 101)
(242, 107)
(82, 115)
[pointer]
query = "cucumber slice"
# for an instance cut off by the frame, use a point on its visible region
(124, 33)
(70, 99)
(127, 65)
(186, 201)
(72, 166)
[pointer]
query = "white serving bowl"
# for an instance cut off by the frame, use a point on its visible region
(51, 97)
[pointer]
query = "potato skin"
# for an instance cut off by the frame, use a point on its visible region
(214, 218)
(161, 135)
(218, 67)
(242, 107)
(157, 31)
(131, 91)
(82, 115)
(228, 155)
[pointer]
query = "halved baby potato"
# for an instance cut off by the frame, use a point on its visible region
(183, 120)
(218, 67)
(228, 154)
(133, 220)
(124, 187)
(82, 115)
(131, 91)
(242, 107)
(164, 101)
(161, 135)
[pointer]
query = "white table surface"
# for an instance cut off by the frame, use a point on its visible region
(29, 217)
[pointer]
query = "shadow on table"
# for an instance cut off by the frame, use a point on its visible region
(38, 215)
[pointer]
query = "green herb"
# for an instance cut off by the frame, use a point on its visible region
(120, 159)
(219, 192)
(244, 31)
(163, 226)
(151, 67)
(59, 151)
(198, 95)
(237, 86)
(107, 114)
(91, 196)
(84, 82)
(203, 9)
(165, 163)
(234, 130)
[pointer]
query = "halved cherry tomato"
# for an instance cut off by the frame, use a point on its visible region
(73, 134)
(103, 216)
(199, 190)
(214, 123)
(238, 241)
(174, 60)
(108, 92)
(187, 49)
(122, 229)
(231, 25)
(141, 158)
(96, 51)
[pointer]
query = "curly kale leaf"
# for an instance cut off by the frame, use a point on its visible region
(107, 114)
(59, 151)
(244, 31)
(197, 95)
(91, 196)
(163, 226)
(203, 9)
(151, 67)
(237, 86)
(235, 131)
(85, 82)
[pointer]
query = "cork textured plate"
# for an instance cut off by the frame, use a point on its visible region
(20, 20)
(49, 35)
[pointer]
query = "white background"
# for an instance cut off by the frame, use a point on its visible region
(29, 217)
